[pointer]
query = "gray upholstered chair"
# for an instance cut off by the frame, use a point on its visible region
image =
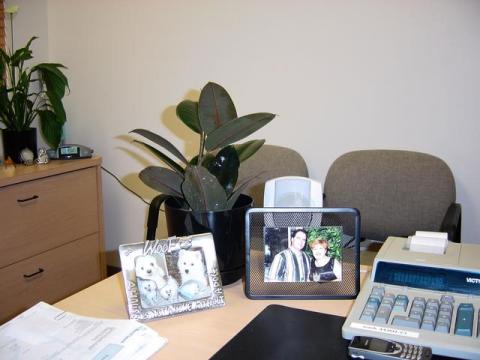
(397, 192)
(270, 162)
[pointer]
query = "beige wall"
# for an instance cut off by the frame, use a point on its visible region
(341, 75)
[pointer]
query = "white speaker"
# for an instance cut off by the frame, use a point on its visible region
(293, 191)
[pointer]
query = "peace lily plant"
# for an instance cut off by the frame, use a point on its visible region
(207, 182)
(30, 92)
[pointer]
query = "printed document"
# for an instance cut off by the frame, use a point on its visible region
(46, 332)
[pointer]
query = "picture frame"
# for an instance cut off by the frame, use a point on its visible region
(302, 253)
(171, 276)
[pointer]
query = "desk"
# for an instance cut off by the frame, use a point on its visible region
(195, 335)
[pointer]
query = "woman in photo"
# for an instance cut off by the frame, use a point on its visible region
(322, 266)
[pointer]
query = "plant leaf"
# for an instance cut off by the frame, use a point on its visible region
(22, 54)
(187, 111)
(225, 168)
(157, 139)
(173, 165)
(202, 190)
(215, 107)
(236, 129)
(53, 77)
(248, 148)
(162, 179)
(51, 129)
(57, 105)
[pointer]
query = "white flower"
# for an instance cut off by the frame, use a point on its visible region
(11, 9)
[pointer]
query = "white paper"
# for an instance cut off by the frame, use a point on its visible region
(431, 245)
(46, 332)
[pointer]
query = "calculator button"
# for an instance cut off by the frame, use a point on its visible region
(416, 315)
(401, 302)
(378, 290)
(399, 320)
(464, 322)
(447, 298)
(383, 314)
(446, 307)
(443, 327)
(433, 302)
(428, 325)
(367, 315)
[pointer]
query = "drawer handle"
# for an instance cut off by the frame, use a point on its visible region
(27, 199)
(40, 270)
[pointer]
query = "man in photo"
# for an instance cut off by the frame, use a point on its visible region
(292, 264)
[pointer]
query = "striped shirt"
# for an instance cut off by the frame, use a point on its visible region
(290, 266)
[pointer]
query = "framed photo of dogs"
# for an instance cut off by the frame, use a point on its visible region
(172, 276)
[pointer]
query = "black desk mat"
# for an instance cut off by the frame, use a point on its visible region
(281, 333)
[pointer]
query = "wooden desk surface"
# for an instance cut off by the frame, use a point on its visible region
(195, 335)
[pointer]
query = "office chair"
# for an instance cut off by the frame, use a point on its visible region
(397, 192)
(293, 191)
(270, 162)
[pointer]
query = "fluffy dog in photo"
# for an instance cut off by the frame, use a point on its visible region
(193, 274)
(148, 293)
(170, 291)
(147, 268)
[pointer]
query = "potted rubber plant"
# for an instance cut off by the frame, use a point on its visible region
(201, 194)
(28, 93)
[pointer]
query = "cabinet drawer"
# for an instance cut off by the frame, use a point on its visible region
(38, 215)
(66, 270)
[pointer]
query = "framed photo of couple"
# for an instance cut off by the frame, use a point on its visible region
(302, 253)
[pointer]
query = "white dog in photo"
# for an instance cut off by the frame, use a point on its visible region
(147, 268)
(170, 291)
(191, 267)
(193, 274)
(148, 292)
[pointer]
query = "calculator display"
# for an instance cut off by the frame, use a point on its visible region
(425, 277)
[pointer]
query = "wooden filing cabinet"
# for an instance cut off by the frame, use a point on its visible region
(51, 232)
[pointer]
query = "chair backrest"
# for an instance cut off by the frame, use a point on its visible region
(293, 191)
(397, 192)
(270, 162)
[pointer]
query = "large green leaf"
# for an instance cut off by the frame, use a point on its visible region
(57, 106)
(187, 111)
(173, 165)
(248, 148)
(53, 77)
(159, 140)
(162, 179)
(51, 129)
(53, 68)
(236, 129)
(202, 190)
(225, 168)
(215, 107)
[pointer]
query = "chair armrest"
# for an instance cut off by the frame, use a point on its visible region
(452, 222)
(153, 211)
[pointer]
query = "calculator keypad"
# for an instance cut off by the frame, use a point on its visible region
(432, 314)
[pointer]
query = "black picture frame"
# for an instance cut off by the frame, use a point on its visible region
(261, 226)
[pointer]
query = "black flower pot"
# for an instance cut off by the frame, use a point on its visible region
(227, 228)
(15, 141)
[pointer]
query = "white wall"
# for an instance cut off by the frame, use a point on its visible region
(340, 75)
